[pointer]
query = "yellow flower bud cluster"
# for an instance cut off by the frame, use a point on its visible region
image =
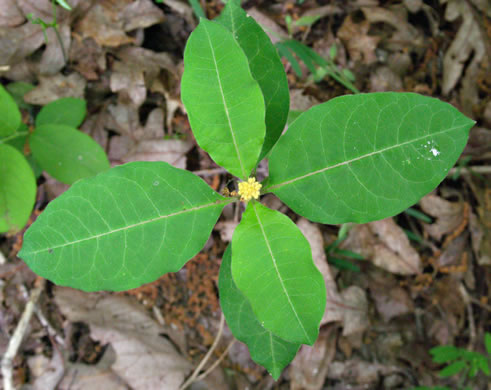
(249, 189)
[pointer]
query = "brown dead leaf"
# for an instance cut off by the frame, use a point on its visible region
(468, 42)
(390, 299)
(144, 359)
(359, 44)
(20, 42)
(405, 34)
(355, 310)
(56, 87)
(172, 151)
(137, 70)
(449, 215)
(107, 21)
(386, 245)
(94, 377)
(52, 60)
(10, 14)
(313, 234)
(384, 79)
(309, 368)
(355, 371)
(226, 229)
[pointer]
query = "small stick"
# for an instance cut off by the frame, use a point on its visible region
(217, 362)
(196, 371)
(18, 335)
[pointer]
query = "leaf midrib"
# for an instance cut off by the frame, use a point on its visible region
(125, 228)
(278, 272)
(237, 151)
(279, 185)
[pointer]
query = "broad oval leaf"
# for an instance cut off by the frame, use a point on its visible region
(224, 103)
(17, 189)
(66, 153)
(265, 348)
(266, 68)
(10, 117)
(122, 228)
(66, 111)
(272, 266)
(360, 158)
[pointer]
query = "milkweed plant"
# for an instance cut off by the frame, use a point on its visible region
(355, 158)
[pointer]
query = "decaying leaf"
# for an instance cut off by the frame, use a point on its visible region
(467, 42)
(359, 44)
(391, 300)
(313, 234)
(10, 14)
(107, 21)
(309, 368)
(386, 245)
(449, 215)
(355, 310)
(144, 359)
(56, 87)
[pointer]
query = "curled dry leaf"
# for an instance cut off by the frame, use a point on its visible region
(313, 234)
(449, 215)
(144, 359)
(386, 245)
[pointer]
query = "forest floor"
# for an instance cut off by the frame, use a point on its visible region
(400, 287)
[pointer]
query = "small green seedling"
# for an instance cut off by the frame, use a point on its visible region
(461, 361)
(56, 147)
(356, 158)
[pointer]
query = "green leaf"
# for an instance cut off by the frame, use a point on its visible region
(272, 266)
(17, 189)
(483, 364)
(343, 264)
(66, 153)
(265, 66)
(66, 111)
(266, 349)
(487, 342)
(198, 11)
(453, 368)
(361, 158)
(285, 52)
(224, 103)
(122, 228)
(445, 353)
(10, 118)
(64, 4)
(17, 90)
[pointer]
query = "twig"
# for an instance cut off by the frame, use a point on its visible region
(470, 315)
(18, 335)
(217, 362)
(196, 371)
